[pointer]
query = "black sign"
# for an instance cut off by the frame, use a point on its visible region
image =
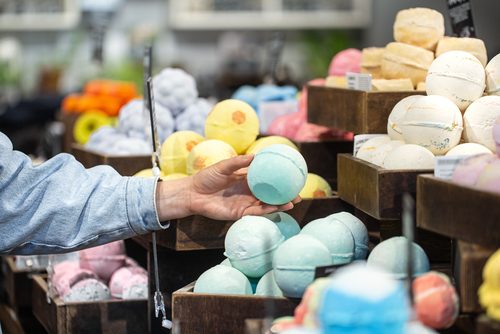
(326, 271)
(460, 12)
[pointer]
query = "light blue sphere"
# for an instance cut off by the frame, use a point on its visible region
(267, 286)
(223, 280)
(287, 224)
(358, 230)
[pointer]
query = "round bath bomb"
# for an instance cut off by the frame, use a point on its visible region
(436, 301)
(493, 76)
(397, 115)
(104, 260)
(458, 76)
(121, 277)
(371, 61)
(406, 61)
(474, 46)
(261, 143)
(496, 135)
(469, 169)
(348, 60)
(306, 312)
(174, 89)
(267, 286)
(287, 225)
(87, 290)
(366, 150)
(287, 125)
(489, 292)
(63, 280)
(390, 256)
(175, 150)
(358, 231)
(335, 236)
(136, 287)
(208, 153)
(250, 244)
(194, 116)
(277, 174)
(247, 94)
(380, 153)
(468, 149)
(422, 27)
(234, 122)
(295, 261)
(409, 156)
(479, 119)
(226, 262)
(174, 176)
(223, 280)
(315, 187)
(364, 300)
(489, 179)
(433, 122)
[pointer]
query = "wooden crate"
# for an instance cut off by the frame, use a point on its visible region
(68, 120)
(485, 325)
(210, 313)
(352, 110)
(373, 189)
(112, 316)
(459, 212)
(468, 273)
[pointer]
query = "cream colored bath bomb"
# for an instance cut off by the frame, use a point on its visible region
(457, 75)
(422, 27)
(474, 46)
(397, 114)
(409, 156)
(468, 149)
(207, 153)
(493, 76)
(421, 86)
(479, 119)
(406, 61)
(371, 61)
(175, 150)
(336, 81)
(366, 150)
(234, 122)
(380, 153)
(392, 85)
(433, 122)
(261, 143)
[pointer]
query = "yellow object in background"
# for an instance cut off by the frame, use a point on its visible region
(315, 187)
(88, 123)
(261, 143)
(208, 153)
(489, 292)
(175, 150)
(174, 176)
(148, 172)
(234, 122)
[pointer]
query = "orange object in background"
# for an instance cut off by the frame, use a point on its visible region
(122, 90)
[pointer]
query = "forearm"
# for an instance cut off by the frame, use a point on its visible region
(173, 199)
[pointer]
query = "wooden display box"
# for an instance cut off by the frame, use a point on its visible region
(485, 325)
(373, 189)
(195, 313)
(110, 317)
(352, 110)
(459, 212)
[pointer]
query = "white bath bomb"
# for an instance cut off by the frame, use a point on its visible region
(379, 154)
(223, 280)
(457, 75)
(468, 149)
(479, 119)
(409, 156)
(433, 122)
(366, 150)
(397, 114)
(493, 76)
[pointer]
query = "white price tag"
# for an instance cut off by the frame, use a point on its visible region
(359, 140)
(445, 166)
(359, 81)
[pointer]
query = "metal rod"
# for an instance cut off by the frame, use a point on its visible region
(409, 232)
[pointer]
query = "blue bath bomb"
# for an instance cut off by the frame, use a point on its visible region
(174, 89)
(247, 94)
(268, 92)
(268, 287)
(277, 174)
(226, 262)
(390, 256)
(335, 236)
(358, 230)
(254, 281)
(295, 261)
(250, 245)
(287, 224)
(223, 280)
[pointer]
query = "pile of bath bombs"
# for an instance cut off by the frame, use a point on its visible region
(100, 273)
(272, 256)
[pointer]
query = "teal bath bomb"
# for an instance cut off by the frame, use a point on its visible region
(335, 236)
(286, 223)
(295, 262)
(390, 256)
(277, 174)
(250, 244)
(226, 262)
(223, 280)
(268, 287)
(358, 230)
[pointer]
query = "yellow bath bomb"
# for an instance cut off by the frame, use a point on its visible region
(87, 123)
(234, 122)
(208, 153)
(174, 176)
(315, 187)
(175, 150)
(489, 292)
(259, 144)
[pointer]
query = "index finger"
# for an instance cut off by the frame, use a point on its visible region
(229, 166)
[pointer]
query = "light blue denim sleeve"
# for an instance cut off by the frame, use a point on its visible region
(60, 206)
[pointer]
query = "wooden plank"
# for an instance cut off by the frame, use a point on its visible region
(352, 110)
(9, 320)
(485, 325)
(459, 212)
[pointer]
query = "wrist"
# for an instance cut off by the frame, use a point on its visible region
(173, 199)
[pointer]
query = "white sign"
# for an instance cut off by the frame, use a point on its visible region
(359, 140)
(445, 166)
(359, 81)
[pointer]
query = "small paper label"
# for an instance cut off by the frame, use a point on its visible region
(445, 166)
(326, 271)
(359, 140)
(359, 81)
(460, 12)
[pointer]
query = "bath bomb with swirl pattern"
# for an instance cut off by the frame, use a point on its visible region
(306, 313)
(422, 27)
(493, 76)
(433, 122)
(267, 286)
(358, 231)
(295, 261)
(194, 116)
(458, 76)
(479, 119)
(365, 152)
(234, 122)
(489, 292)
(287, 225)
(397, 114)
(468, 149)
(207, 153)
(250, 244)
(380, 153)
(315, 187)
(223, 280)
(489, 179)
(468, 170)
(277, 174)
(409, 156)
(263, 142)
(175, 150)
(174, 89)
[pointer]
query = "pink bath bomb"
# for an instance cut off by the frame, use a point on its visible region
(62, 268)
(468, 171)
(121, 277)
(286, 125)
(105, 259)
(489, 179)
(496, 135)
(345, 61)
(63, 283)
(309, 132)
